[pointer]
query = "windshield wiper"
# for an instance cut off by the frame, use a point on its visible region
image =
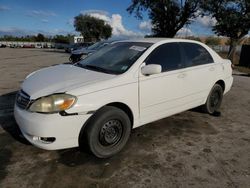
(99, 69)
(92, 67)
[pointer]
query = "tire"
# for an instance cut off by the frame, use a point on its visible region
(74, 58)
(214, 100)
(107, 132)
(70, 59)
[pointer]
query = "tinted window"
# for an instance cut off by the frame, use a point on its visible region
(166, 55)
(196, 54)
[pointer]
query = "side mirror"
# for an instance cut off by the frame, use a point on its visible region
(151, 69)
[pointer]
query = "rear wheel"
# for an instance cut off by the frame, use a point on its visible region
(107, 132)
(214, 100)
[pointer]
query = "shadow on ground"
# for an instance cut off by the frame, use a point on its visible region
(7, 103)
(5, 155)
(8, 124)
(149, 136)
(7, 120)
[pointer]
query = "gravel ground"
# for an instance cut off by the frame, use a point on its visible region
(191, 149)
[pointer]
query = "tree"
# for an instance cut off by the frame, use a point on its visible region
(233, 20)
(92, 28)
(61, 39)
(213, 41)
(40, 38)
(194, 38)
(167, 16)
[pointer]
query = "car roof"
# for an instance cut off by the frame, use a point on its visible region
(156, 40)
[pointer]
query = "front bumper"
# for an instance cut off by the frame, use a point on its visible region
(65, 129)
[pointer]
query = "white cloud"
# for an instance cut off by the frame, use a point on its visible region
(145, 26)
(93, 11)
(119, 29)
(4, 8)
(115, 21)
(40, 13)
(183, 32)
(206, 21)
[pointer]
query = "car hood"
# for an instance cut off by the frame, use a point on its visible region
(60, 78)
(82, 51)
(78, 51)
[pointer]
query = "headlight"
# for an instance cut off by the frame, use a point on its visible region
(53, 103)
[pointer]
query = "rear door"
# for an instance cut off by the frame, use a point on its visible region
(200, 72)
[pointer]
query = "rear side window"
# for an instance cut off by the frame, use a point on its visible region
(167, 55)
(196, 54)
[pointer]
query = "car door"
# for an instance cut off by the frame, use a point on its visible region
(161, 94)
(199, 74)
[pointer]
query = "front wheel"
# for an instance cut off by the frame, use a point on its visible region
(214, 100)
(107, 132)
(75, 58)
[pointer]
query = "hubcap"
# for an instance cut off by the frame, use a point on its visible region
(111, 133)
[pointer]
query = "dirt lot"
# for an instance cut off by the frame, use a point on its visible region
(190, 149)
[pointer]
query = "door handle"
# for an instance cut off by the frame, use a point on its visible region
(211, 68)
(182, 75)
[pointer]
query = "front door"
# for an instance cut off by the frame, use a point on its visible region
(161, 95)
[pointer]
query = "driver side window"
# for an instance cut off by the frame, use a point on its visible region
(167, 55)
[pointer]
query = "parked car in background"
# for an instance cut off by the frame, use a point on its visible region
(2, 46)
(76, 46)
(77, 55)
(38, 45)
(96, 102)
(28, 46)
(13, 46)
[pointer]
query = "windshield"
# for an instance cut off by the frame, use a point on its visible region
(97, 45)
(115, 58)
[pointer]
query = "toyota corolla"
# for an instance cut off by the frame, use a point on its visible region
(96, 102)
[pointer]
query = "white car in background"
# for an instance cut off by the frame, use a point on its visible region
(96, 102)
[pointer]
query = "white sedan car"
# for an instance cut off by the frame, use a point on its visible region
(96, 102)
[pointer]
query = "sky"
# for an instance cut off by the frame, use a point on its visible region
(53, 17)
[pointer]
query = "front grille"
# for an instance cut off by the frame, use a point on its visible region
(22, 100)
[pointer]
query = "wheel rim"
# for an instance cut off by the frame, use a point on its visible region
(111, 133)
(215, 99)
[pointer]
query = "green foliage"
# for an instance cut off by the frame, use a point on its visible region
(62, 39)
(167, 16)
(40, 38)
(92, 28)
(233, 20)
(213, 41)
(27, 38)
(233, 17)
